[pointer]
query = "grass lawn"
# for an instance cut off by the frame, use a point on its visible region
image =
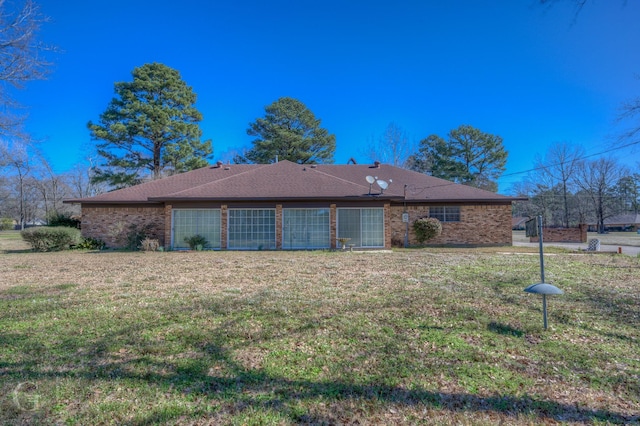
(411, 336)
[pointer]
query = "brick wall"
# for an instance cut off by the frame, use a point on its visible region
(111, 224)
(563, 235)
(479, 225)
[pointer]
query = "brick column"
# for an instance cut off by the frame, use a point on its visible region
(387, 225)
(223, 226)
(168, 209)
(333, 227)
(278, 226)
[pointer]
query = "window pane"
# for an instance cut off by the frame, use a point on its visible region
(252, 229)
(305, 228)
(365, 227)
(349, 225)
(189, 222)
(372, 228)
(453, 213)
(445, 213)
(437, 212)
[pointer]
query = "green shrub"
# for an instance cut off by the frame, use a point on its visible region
(6, 223)
(196, 240)
(63, 219)
(90, 244)
(427, 228)
(51, 238)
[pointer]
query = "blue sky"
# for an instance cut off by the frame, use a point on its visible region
(530, 74)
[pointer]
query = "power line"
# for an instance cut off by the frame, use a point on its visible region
(417, 191)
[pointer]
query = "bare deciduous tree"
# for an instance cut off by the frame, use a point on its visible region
(393, 147)
(16, 159)
(21, 55)
(558, 168)
(597, 180)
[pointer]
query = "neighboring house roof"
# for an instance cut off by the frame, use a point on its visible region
(518, 221)
(290, 181)
(622, 219)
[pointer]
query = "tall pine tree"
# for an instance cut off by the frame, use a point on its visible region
(150, 129)
(289, 131)
(468, 156)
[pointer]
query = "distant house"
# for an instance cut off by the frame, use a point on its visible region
(622, 222)
(518, 223)
(291, 206)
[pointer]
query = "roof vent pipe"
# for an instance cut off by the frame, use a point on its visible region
(376, 164)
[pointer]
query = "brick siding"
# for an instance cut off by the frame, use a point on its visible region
(563, 235)
(112, 224)
(479, 225)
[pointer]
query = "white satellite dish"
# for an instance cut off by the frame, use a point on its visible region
(370, 179)
(382, 184)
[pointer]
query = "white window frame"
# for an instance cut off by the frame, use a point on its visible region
(181, 245)
(361, 224)
(271, 245)
(286, 239)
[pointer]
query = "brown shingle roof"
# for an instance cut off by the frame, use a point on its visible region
(287, 181)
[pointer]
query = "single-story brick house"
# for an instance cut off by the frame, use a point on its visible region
(621, 222)
(292, 206)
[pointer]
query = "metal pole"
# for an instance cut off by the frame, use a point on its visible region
(541, 255)
(544, 309)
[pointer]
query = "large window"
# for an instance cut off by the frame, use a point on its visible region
(364, 227)
(305, 228)
(445, 213)
(252, 229)
(189, 222)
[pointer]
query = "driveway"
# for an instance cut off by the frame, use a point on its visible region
(628, 250)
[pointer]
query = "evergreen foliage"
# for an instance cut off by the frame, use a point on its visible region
(468, 156)
(196, 240)
(150, 129)
(6, 223)
(51, 238)
(427, 228)
(62, 219)
(289, 131)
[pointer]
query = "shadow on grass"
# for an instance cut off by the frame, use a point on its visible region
(205, 368)
(504, 329)
(237, 389)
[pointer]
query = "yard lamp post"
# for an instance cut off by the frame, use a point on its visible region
(541, 287)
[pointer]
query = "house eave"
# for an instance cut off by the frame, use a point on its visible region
(363, 198)
(90, 201)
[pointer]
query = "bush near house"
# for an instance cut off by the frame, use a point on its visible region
(63, 219)
(6, 223)
(427, 228)
(196, 241)
(51, 238)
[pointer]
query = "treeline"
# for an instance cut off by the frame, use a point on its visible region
(567, 188)
(32, 193)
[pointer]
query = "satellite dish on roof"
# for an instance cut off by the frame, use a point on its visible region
(370, 180)
(382, 184)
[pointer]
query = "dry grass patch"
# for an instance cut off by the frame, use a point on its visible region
(416, 336)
